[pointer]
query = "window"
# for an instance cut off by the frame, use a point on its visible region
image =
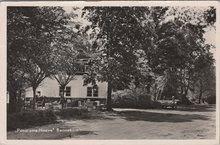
(92, 91)
(67, 91)
(89, 91)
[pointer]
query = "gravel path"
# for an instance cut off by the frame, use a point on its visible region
(195, 122)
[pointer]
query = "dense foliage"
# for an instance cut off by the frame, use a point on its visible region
(118, 33)
(157, 48)
(161, 50)
(34, 35)
(72, 113)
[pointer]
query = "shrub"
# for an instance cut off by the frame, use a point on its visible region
(72, 112)
(72, 104)
(127, 99)
(211, 99)
(31, 118)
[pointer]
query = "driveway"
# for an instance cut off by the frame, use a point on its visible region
(195, 122)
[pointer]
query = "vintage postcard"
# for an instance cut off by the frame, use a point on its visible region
(109, 72)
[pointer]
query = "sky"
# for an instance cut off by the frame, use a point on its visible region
(210, 36)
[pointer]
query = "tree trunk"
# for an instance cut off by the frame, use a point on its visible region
(185, 100)
(12, 101)
(182, 83)
(19, 101)
(109, 91)
(181, 91)
(155, 92)
(109, 97)
(34, 98)
(62, 96)
(200, 91)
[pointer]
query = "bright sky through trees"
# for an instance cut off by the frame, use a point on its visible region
(209, 35)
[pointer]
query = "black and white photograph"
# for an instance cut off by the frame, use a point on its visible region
(121, 72)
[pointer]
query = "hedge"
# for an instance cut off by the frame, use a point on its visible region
(31, 118)
(71, 113)
(126, 99)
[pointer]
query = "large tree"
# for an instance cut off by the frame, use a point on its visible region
(16, 24)
(36, 70)
(204, 77)
(180, 42)
(65, 67)
(67, 53)
(117, 34)
(31, 33)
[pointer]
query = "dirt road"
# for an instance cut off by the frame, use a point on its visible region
(195, 122)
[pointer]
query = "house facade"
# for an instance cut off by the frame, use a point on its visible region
(75, 89)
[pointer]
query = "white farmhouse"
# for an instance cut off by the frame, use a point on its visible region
(75, 90)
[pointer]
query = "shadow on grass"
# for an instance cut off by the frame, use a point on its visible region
(159, 117)
(84, 132)
(92, 115)
(197, 108)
